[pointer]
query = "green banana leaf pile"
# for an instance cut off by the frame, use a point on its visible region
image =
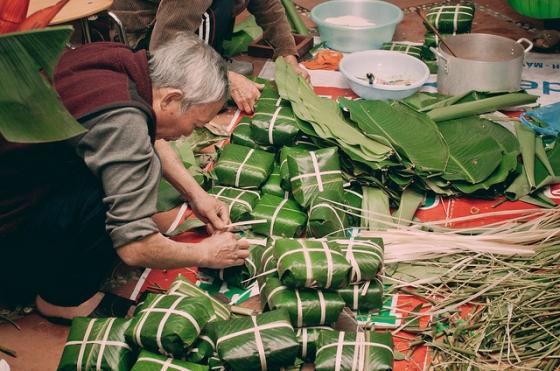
(311, 263)
(148, 361)
(262, 342)
(367, 296)
(97, 343)
(326, 218)
(315, 173)
(168, 324)
(354, 351)
(182, 286)
(273, 185)
(240, 201)
(283, 216)
(241, 275)
(365, 255)
(243, 167)
(274, 125)
(307, 339)
(307, 307)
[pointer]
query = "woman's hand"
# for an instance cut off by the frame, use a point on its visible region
(223, 250)
(291, 59)
(244, 92)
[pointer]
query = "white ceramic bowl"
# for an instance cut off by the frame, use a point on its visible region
(385, 65)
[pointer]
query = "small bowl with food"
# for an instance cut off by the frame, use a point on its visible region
(384, 74)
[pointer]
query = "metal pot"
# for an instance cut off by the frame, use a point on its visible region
(484, 62)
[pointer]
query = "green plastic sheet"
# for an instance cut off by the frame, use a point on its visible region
(365, 255)
(274, 125)
(367, 296)
(283, 215)
(368, 351)
(97, 344)
(240, 201)
(311, 264)
(168, 324)
(315, 173)
(243, 167)
(307, 339)
(263, 342)
(307, 307)
(451, 18)
(326, 218)
(148, 361)
(273, 185)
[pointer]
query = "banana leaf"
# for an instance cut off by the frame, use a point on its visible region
(306, 307)
(307, 339)
(204, 347)
(168, 324)
(367, 296)
(325, 218)
(311, 263)
(148, 361)
(409, 49)
(215, 363)
(364, 254)
(375, 209)
(527, 141)
(273, 185)
(262, 342)
(432, 40)
(268, 262)
(451, 18)
(31, 111)
(241, 275)
(283, 159)
(182, 286)
(274, 126)
(316, 174)
(243, 34)
(97, 344)
(353, 198)
(240, 201)
(409, 204)
(369, 351)
(284, 217)
(242, 134)
(269, 96)
(243, 167)
(168, 196)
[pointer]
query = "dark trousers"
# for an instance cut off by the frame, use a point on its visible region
(61, 251)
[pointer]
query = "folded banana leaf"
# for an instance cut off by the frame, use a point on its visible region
(283, 159)
(274, 126)
(451, 18)
(263, 342)
(311, 264)
(268, 262)
(365, 255)
(168, 324)
(241, 201)
(97, 344)
(215, 363)
(204, 347)
(307, 307)
(148, 361)
(367, 351)
(314, 174)
(412, 50)
(326, 218)
(269, 96)
(284, 217)
(241, 275)
(243, 167)
(353, 198)
(307, 339)
(182, 286)
(273, 185)
(367, 296)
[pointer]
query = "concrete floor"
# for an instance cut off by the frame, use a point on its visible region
(39, 343)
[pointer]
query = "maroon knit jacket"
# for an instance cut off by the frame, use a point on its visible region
(90, 80)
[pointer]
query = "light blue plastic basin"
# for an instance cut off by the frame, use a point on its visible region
(384, 15)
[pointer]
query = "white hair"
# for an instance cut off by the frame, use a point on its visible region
(188, 64)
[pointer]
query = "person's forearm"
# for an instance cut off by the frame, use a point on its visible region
(174, 171)
(157, 251)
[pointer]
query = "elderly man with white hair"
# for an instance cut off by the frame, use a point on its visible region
(92, 199)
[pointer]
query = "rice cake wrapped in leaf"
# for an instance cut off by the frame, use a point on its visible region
(364, 351)
(243, 167)
(242, 135)
(311, 264)
(353, 198)
(367, 296)
(315, 173)
(241, 275)
(240, 201)
(284, 217)
(274, 126)
(148, 361)
(451, 18)
(283, 160)
(270, 97)
(307, 339)
(409, 49)
(273, 185)
(169, 324)
(364, 254)
(204, 347)
(307, 307)
(326, 218)
(97, 344)
(263, 342)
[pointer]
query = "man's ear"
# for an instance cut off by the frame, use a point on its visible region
(171, 98)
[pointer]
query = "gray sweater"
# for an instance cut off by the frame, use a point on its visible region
(118, 151)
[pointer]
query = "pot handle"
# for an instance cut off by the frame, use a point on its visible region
(440, 56)
(527, 41)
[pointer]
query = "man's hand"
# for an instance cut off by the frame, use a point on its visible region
(292, 59)
(211, 211)
(244, 91)
(223, 250)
